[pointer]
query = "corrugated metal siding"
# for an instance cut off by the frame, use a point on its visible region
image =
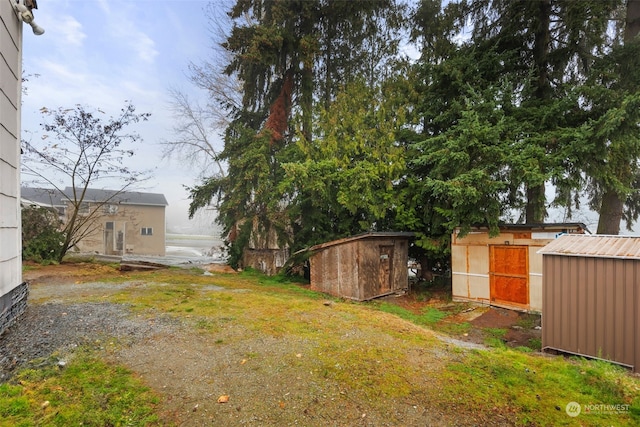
(592, 306)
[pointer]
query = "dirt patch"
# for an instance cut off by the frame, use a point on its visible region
(476, 323)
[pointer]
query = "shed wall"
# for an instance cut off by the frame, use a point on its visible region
(592, 307)
(334, 270)
(470, 265)
(13, 292)
(356, 270)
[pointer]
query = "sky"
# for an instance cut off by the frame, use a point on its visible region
(101, 53)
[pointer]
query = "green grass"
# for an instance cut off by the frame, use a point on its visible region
(86, 392)
(428, 316)
(376, 352)
(532, 388)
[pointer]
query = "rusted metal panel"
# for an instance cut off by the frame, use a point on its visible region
(591, 303)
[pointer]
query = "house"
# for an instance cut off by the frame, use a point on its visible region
(118, 222)
(13, 291)
(591, 297)
(504, 270)
(361, 267)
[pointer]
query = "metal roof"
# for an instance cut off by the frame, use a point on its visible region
(41, 196)
(121, 197)
(594, 245)
(549, 226)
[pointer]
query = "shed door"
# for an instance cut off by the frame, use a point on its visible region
(386, 268)
(509, 275)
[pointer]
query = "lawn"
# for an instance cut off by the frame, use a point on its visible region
(376, 356)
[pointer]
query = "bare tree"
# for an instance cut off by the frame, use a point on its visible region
(197, 127)
(194, 131)
(80, 150)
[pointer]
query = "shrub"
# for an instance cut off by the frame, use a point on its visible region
(41, 237)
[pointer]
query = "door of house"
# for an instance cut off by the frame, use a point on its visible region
(386, 268)
(509, 275)
(108, 238)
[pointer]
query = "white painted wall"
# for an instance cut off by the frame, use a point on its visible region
(10, 94)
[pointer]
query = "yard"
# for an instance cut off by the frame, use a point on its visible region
(178, 347)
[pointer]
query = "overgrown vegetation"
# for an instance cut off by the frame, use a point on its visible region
(41, 236)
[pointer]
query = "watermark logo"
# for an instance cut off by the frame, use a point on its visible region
(573, 409)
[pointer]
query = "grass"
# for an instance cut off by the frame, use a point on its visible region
(428, 316)
(536, 390)
(86, 392)
(376, 352)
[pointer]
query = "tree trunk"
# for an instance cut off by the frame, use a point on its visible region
(610, 214)
(612, 205)
(535, 211)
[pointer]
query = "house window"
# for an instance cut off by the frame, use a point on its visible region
(146, 231)
(110, 209)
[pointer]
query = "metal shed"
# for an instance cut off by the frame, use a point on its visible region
(505, 270)
(591, 297)
(361, 267)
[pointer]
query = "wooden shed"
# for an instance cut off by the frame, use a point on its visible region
(591, 297)
(361, 267)
(505, 270)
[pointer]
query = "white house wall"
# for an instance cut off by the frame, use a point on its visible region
(12, 290)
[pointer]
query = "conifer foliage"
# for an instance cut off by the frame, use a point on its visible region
(338, 132)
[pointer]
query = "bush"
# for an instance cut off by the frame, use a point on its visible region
(41, 237)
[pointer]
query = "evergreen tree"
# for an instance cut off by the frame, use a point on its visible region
(287, 56)
(612, 97)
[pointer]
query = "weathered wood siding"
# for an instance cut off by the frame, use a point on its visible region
(12, 292)
(361, 268)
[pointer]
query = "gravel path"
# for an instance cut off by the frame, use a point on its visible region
(50, 328)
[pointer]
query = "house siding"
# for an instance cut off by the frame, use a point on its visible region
(13, 293)
(129, 220)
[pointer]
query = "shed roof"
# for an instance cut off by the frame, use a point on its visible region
(594, 245)
(550, 226)
(368, 235)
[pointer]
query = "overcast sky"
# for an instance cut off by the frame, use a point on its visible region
(99, 53)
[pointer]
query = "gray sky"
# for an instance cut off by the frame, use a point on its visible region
(99, 53)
